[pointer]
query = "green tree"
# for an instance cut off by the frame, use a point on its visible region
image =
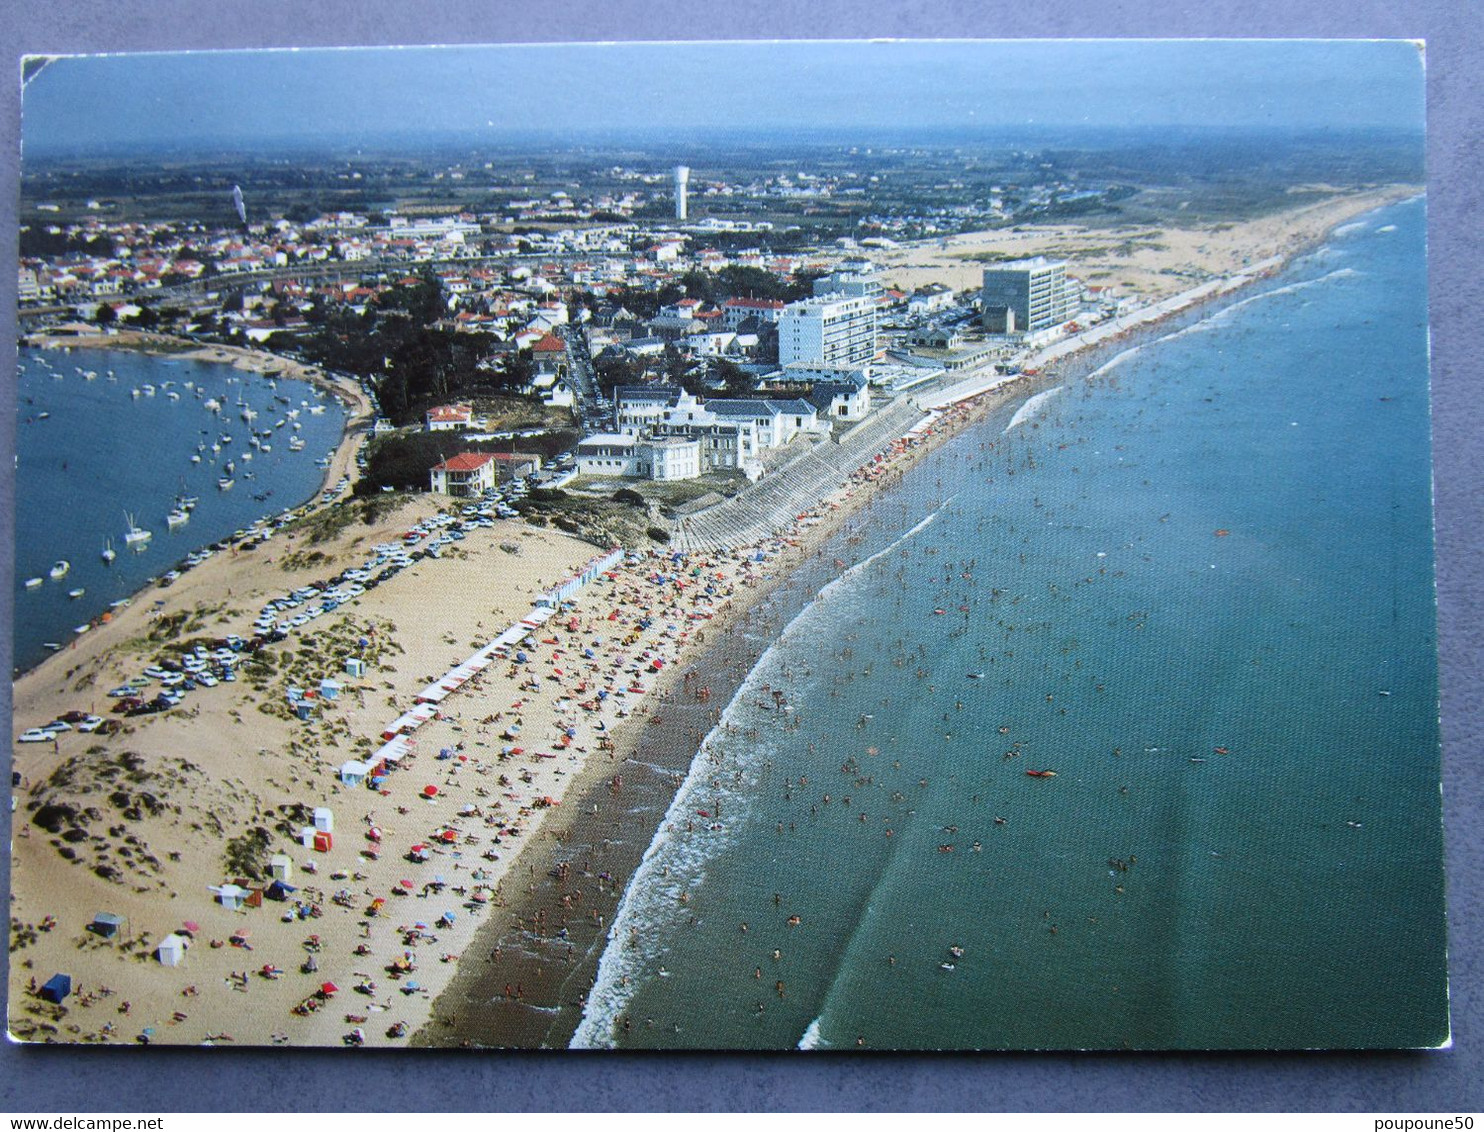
(736, 381)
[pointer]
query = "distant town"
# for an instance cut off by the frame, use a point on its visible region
(681, 331)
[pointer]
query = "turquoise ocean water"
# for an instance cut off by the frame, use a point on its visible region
(90, 450)
(1198, 586)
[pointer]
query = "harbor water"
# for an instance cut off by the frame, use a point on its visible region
(106, 434)
(1197, 586)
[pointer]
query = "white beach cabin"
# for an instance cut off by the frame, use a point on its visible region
(353, 772)
(171, 952)
(231, 896)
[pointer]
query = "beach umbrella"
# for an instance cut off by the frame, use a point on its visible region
(407, 884)
(191, 926)
(328, 988)
(430, 791)
(449, 836)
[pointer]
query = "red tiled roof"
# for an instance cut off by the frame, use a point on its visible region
(465, 462)
(549, 344)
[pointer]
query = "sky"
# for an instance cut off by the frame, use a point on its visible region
(232, 99)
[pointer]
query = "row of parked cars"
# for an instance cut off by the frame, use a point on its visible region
(72, 720)
(206, 667)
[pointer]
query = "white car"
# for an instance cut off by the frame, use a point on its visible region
(34, 735)
(207, 680)
(91, 724)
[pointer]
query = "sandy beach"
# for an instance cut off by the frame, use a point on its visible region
(138, 820)
(561, 758)
(1138, 262)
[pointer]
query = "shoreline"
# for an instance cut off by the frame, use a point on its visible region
(654, 757)
(265, 363)
(357, 406)
(554, 974)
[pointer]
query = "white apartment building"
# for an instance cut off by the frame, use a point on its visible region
(832, 331)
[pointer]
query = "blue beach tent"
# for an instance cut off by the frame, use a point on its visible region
(56, 988)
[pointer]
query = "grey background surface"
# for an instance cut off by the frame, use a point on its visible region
(66, 1080)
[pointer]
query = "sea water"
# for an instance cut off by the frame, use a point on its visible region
(1198, 587)
(91, 450)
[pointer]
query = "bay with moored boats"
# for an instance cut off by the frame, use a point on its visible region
(132, 465)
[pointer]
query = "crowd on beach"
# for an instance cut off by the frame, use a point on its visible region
(352, 929)
(416, 855)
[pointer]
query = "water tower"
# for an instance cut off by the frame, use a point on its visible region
(682, 181)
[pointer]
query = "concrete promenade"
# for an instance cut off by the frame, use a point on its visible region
(767, 507)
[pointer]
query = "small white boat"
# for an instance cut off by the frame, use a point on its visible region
(77, 593)
(178, 517)
(59, 569)
(109, 554)
(136, 536)
(33, 583)
(223, 483)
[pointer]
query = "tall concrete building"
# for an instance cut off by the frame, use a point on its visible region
(1026, 295)
(682, 187)
(834, 331)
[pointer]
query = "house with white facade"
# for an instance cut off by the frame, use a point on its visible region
(467, 474)
(639, 407)
(737, 311)
(608, 454)
(447, 418)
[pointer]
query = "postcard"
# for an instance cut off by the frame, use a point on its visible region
(739, 546)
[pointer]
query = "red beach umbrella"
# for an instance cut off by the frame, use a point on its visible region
(328, 988)
(430, 791)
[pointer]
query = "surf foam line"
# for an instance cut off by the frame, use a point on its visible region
(1212, 321)
(1032, 406)
(650, 891)
(811, 1038)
